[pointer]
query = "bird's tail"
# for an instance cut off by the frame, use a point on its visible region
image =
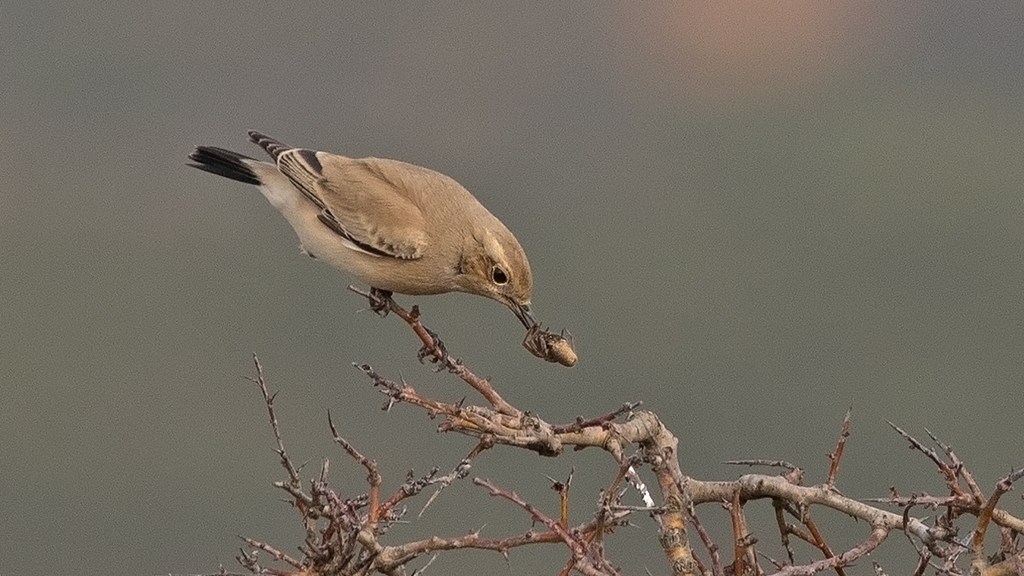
(273, 147)
(224, 163)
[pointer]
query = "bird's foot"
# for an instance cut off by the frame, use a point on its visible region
(436, 350)
(380, 301)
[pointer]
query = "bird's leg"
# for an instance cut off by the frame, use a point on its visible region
(380, 301)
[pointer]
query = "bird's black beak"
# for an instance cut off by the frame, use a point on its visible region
(525, 315)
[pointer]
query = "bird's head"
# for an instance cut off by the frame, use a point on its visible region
(494, 266)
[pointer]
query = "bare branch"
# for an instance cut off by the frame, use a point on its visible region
(350, 535)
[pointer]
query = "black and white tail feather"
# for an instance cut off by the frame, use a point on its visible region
(223, 163)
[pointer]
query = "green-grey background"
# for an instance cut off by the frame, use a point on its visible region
(751, 215)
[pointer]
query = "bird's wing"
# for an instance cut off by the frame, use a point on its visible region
(357, 199)
(375, 206)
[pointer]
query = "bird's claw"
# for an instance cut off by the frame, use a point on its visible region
(380, 301)
(436, 350)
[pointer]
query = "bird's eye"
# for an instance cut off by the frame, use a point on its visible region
(499, 276)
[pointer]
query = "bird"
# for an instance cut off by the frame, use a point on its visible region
(395, 226)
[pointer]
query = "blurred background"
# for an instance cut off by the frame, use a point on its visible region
(751, 215)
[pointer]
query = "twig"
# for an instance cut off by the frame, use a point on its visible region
(949, 473)
(876, 538)
(739, 534)
(922, 563)
(582, 423)
(419, 571)
(461, 470)
(611, 497)
(760, 462)
(268, 399)
(372, 475)
(583, 554)
(985, 517)
(819, 541)
(957, 465)
(275, 553)
(709, 544)
(835, 456)
(784, 529)
(563, 497)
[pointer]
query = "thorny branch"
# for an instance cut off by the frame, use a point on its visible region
(347, 535)
(433, 349)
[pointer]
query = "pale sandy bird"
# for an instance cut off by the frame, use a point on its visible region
(395, 226)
